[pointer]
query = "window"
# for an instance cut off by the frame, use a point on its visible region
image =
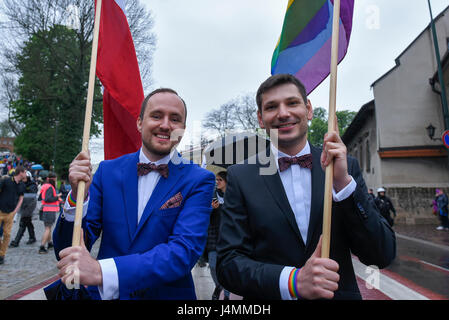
(361, 156)
(368, 157)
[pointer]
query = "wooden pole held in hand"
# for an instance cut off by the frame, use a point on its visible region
(327, 208)
(76, 241)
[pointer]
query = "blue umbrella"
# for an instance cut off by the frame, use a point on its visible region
(37, 167)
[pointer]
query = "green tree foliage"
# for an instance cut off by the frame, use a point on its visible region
(5, 129)
(53, 66)
(44, 66)
(318, 125)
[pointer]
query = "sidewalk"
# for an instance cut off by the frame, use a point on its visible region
(425, 232)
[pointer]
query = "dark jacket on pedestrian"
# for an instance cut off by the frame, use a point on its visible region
(214, 224)
(385, 206)
(29, 199)
(442, 204)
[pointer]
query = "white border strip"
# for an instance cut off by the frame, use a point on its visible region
(388, 286)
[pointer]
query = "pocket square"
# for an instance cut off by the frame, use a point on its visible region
(173, 202)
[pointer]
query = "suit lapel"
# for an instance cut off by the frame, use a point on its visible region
(274, 184)
(130, 193)
(316, 207)
(163, 187)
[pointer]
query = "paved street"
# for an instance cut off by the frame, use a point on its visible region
(24, 266)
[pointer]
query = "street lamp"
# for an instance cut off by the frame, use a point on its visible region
(431, 132)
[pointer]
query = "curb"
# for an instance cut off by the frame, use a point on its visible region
(25, 286)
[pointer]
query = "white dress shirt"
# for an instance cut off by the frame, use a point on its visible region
(297, 182)
(146, 184)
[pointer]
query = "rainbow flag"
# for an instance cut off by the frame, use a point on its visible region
(304, 47)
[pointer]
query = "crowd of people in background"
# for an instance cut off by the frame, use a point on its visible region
(25, 191)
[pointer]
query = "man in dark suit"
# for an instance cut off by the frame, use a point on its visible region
(270, 245)
(152, 208)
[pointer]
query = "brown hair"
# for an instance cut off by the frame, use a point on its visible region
(277, 80)
(223, 175)
(145, 101)
(19, 170)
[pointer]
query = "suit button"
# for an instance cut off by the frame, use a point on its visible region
(359, 205)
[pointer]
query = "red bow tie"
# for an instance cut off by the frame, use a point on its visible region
(304, 161)
(145, 168)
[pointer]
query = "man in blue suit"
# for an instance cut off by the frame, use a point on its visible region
(151, 207)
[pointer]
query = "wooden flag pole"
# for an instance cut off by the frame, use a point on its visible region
(87, 121)
(327, 209)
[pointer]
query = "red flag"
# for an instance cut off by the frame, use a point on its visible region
(118, 71)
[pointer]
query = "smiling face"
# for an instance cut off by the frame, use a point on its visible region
(285, 114)
(162, 125)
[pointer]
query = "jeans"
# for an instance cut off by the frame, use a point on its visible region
(444, 221)
(212, 257)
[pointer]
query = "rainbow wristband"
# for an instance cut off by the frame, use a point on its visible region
(292, 280)
(72, 202)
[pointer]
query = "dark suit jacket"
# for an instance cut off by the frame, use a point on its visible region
(259, 235)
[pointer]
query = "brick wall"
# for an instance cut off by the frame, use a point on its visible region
(413, 205)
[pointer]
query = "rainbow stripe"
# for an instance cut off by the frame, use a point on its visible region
(292, 279)
(304, 47)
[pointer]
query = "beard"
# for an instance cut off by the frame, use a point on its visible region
(162, 152)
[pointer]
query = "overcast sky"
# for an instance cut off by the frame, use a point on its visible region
(211, 51)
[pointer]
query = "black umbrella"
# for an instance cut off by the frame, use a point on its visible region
(235, 148)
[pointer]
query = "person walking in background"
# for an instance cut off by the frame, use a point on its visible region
(63, 190)
(50, 208)
(11, 198)
(442, 209)
(385, 206)
(371, 194)
(213, 231)
(26, 212)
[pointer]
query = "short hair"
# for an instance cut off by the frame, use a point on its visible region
(19, 170)
(223, 175)
(169, 90)
(277, 80)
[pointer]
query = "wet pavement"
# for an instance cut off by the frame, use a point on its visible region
(24, 267)
(422, 259)
(426, 232)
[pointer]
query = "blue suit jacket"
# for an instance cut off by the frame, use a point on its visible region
(154, 258)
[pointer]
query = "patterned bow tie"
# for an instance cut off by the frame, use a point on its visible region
(304, 161)
(145, 168)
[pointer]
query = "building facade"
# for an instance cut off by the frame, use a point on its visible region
(7, 144)
(388, 135)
